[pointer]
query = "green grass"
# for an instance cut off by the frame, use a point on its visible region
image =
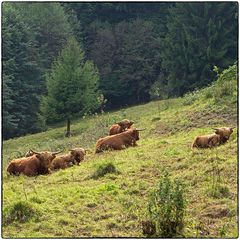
(71, 203)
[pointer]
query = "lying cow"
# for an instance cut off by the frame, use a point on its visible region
(119, 141)
(120, 127)
(224, 133)
(220, 136)
(36, 164)
(75, 156)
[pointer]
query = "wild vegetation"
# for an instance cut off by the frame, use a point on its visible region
(133, 52)
(109, 194)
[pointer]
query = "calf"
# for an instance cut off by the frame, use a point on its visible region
(75, 156)
(36, 164)
(120, 127)
(119, 141)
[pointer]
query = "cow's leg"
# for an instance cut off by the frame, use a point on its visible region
(29, 172)
(122, 147)
(134, 143)
(212, 143)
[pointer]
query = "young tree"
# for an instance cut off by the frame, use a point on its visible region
(72, 86)
(33, 34)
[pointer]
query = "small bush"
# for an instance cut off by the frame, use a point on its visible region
(104, 169)
(190, 98)
(218, 191)
(225, 86)
(167, 208)
(19, 211)
(208, 92)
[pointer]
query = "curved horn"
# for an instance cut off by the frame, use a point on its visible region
(232, 127)
(141, 129)
(34, 151)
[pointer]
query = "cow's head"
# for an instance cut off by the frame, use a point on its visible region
(46, 157)
(135, 133)
(78, 154)
(125, 124)
(224, 132)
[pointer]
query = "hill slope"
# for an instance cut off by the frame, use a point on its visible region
(69, 203)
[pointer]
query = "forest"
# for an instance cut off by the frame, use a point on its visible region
(65, 60)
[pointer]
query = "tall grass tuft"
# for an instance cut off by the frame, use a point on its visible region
(104, 169)
(20, 211)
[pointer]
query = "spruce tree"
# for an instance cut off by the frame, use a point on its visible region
(200, 35)
(21, 75)
(72, 86)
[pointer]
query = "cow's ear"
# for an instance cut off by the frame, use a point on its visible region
(131, 123)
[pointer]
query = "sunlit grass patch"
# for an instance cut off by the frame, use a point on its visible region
(70, 203)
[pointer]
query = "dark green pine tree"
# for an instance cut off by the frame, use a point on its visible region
(138, 60)
(72, 86)
(200, 35)
(20, 75)
(49, 25)
(128, 59)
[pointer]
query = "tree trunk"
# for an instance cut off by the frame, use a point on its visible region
(68, 133)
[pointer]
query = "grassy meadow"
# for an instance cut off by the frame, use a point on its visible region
(72, 203)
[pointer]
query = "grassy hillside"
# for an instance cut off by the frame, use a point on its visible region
(70, 203)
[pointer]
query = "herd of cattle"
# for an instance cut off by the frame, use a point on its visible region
(121, 136)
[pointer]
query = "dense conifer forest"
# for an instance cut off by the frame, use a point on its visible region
(67, 60)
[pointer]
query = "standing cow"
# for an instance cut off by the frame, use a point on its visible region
(120, 127)
(119, 141)
(38, 163)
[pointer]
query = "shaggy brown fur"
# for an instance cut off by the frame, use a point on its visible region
(224, 133)
(75, 156)
(119, 141)
(220, 136)
(30, 153)
(120, 127)
(31, 166)
(206, 141)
